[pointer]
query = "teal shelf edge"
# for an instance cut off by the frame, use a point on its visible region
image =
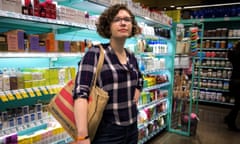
(216, 102)
(178, 131)
(210, 20)
(32, 130)
(11, 104)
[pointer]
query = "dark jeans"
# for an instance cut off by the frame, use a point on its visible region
(113, 134)
(234, 91)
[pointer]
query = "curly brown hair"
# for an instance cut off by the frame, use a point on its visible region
(106, 18)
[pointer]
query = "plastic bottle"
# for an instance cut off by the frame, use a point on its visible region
(1, 80)
(6, 80)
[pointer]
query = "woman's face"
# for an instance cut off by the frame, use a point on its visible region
(121, 26)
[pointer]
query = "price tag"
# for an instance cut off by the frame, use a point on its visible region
(9, 95)
(44, 90)
(58, 88)
(30, 91)
(3, 97)
(23, 93)
(17, 94)
(50, 89)
(37, 91)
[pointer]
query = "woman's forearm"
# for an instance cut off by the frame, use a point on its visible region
(80, 113)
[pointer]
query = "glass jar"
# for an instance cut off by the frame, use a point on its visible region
(219, 74)
(219, 85)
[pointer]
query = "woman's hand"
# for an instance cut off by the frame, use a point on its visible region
(136, 95)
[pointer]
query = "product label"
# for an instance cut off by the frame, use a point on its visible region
(30, 92)
(17, 94)
(50, 89)
(3, 97)
(37, 91)
(44, 90)
(23, 93)
(9, 95)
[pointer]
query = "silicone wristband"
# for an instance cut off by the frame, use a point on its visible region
(80, 138)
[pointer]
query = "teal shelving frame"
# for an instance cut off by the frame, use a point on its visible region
(192, 102)
(209, 24)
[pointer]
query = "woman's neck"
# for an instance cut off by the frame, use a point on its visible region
(118, 48)
(117, 45)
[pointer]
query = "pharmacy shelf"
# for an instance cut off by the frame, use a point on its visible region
(98, 6)
(39, 55)
(34, 24)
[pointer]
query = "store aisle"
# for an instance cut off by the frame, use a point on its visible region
(211, 130)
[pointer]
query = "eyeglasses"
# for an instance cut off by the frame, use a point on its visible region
(125, 19)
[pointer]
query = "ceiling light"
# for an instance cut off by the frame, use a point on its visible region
(179, 8)
(172, 6)
(213, 5)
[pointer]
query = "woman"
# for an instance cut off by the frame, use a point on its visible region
(234, 58)
(119, 76)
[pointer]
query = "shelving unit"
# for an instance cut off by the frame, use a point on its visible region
(64, 30)
(212, 62)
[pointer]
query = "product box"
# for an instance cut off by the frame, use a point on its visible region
(3, 43)
(15, 40)
(11, 5)
(33, 43)
(75, 47)
(50, 42)
(64, 46)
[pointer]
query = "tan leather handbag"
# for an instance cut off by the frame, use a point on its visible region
(61, 105)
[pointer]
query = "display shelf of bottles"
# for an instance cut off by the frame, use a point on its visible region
(147, 138)
(98, 5)
(153, 103)
(211, 89)
(39, 55)
(21, 21)
(216, 102)
(214, 67)
(156, 86)
(222, 38)
(27, 127)
(210, 20)
(29, 96)
(212, 58)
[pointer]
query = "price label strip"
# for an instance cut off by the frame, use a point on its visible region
(9, 95)
(50, 89)
(30, 92)
(37, 91)
(23, 93)
(44, 90)
(3, 97)
(17, 94)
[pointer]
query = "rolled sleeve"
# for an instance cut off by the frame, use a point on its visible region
(84, 78)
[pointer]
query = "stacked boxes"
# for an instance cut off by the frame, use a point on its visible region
(15, 40)
(11, 5)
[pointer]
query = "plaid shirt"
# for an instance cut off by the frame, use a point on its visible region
(120, 81)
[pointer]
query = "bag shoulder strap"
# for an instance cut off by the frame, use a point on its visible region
(99, 65)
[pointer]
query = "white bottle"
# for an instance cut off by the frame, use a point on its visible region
(6, 80)
(1, 80)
